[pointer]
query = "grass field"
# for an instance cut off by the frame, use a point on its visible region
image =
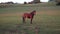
(46, 20)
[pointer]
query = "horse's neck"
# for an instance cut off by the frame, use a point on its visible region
(32, 14)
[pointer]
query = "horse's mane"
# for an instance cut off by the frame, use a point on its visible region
(32, 12)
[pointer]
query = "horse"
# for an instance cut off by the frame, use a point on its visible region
(29, 16)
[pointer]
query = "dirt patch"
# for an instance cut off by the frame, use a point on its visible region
(11, 14)
(49, 13)
(41, 13)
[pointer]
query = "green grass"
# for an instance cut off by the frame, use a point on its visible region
(46, 24)
(47, 21)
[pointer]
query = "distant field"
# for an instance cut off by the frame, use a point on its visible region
(47, 19)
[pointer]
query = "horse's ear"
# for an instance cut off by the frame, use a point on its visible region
(34, 10)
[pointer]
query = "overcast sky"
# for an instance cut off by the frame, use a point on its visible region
(21, 1)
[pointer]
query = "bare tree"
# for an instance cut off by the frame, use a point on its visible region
(36, 1)
(57, 1)
(25, 2)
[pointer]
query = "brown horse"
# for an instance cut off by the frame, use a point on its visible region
(29, 15)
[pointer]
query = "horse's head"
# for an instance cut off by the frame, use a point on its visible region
(33, 12)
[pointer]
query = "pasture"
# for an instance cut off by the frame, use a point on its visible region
(47, 19)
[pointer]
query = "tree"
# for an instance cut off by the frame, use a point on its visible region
(57, 1)
(25, 2)
(10, 2)
(36, 1)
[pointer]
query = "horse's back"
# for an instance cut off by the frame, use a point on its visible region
(27, 15)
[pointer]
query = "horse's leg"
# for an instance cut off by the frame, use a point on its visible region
(31, 20)
(23, 20)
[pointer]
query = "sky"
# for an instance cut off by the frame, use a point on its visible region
(21, 1)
